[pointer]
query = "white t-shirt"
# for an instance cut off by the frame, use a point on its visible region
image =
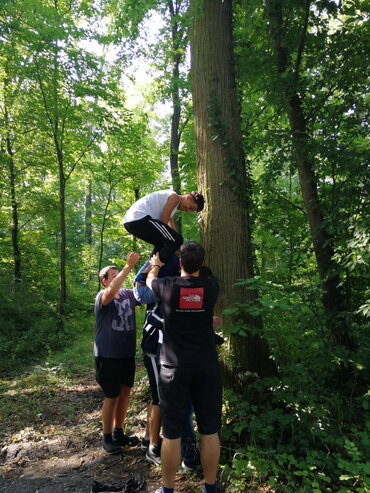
(150, 205)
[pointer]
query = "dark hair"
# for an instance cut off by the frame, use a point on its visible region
(103, 274)
(199, 199)
(192, 256)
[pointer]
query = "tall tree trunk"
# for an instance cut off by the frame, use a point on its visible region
(88, 214)
(176, 103)
(102, 229)
(13, 194)
(62, 223)
(15, 222)
(222, 176)
(321, 240)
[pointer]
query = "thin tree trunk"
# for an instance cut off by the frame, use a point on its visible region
(321, 240)
(62, 226)
(88, 214)
(102, 229)
(13, 193)
(176, 105)
(222, 176)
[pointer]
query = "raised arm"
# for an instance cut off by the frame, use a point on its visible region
(172, 201)
(156, 264)
(111, 290)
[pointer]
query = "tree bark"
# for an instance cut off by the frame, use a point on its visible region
(222, 175)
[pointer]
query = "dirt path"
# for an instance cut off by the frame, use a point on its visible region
(50, 438)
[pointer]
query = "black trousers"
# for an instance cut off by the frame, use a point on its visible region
(165, 239)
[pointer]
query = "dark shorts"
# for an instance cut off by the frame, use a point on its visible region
(152, 369)
(111, 373)
(200, 385)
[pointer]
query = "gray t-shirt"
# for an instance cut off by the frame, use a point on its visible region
(115, 326)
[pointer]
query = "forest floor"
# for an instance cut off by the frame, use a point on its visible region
(51, 436)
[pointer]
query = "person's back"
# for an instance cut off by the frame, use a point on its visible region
(189, 364)
(188, 337)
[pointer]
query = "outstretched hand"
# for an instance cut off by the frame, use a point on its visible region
(155, 260)
(132, 258)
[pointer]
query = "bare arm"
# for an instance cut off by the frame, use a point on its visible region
(156, 264)
(111, 290)
(171, 203)
(171, 223)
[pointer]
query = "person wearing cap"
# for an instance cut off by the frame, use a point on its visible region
(151, 219)
(114, 351)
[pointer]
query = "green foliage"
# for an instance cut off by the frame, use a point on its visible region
(308, 429)
(292, 446)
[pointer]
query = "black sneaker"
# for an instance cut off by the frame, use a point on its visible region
(219, 488)
(153, 455)
(98, 487)
(123, 440)
(144, 445)
(111, 447)
(191, 456)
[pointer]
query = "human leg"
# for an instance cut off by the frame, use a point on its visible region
(189, 447)
(145, 440)
(174, 396)
(106, 376)
(127, 375)
(108, 413)
(207, 399)
(170, 455)
(154, 424)
(210, 456)
(153, 453)
(122, 406)
(165, 239)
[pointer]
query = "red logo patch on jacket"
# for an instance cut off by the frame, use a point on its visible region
(191, 298)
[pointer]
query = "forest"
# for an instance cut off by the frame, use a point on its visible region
(262, 107)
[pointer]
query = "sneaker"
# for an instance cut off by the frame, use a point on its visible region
(144, 445)
(153, 454)
(191, 457)
(111, 447)
(98, 487)
(219, 488)
(123, 440)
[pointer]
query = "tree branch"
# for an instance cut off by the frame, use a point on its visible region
(302, 42)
